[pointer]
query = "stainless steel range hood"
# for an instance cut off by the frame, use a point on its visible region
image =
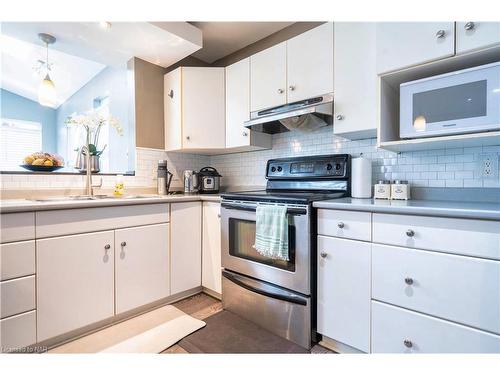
(305, 115)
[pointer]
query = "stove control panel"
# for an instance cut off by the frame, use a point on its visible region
(309, 167)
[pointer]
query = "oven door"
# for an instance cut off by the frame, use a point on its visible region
(238, 254)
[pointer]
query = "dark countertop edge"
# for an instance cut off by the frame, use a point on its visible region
(465, 213)
(33, 206)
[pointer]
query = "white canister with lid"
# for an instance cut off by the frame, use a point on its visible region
(400, 190)
(382, 189)
(361, 177)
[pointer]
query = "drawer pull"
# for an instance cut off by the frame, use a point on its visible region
(341, 225)
(323, 255)
(408, 343)
(409, 280)
(107, 247)
(410, 233)
(124, 244)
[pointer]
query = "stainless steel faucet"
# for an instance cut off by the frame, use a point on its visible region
(89, 188)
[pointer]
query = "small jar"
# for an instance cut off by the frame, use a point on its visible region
(382, 189)
(400, 190)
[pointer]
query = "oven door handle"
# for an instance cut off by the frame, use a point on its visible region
(289, 211)
(282, 296)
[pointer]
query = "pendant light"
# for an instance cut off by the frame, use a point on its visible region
(47, 90)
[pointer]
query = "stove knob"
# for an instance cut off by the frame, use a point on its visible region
(338, 166)
(273, 169)
(280, 169)
(329, 167)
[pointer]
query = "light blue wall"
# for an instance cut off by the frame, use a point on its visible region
(20, 108)
(111, 82)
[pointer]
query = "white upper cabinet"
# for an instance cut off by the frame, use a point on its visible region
(310, 63)
(473, 35)
(355, 80)
(405, 44)
(194, 109)
(268, 78)
(238, 109)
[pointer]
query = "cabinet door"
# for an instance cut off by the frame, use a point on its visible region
(310, 63)
(211, 248)
(75, 282)
(203, 108)
(344, 291)
(268, 78)
(404, 44)
(237, 103)
(172, 97)
(185, 267)
(476, 35)
(142, 266)
(355, 80)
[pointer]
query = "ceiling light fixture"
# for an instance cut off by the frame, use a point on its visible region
(105, 25)
(47, 90)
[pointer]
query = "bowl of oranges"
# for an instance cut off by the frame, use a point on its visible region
(43, 162)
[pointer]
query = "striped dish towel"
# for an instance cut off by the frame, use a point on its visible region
(271, 233)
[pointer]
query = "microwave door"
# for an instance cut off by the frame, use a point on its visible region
(454, 104)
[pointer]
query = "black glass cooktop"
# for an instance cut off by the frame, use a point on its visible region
(298, 197)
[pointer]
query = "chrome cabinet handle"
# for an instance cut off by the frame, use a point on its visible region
(280, 91)
(323, 255)
(440, 34)
(245, 134)
(340, 117)
(124, 243)
(409, 280)
(218, 215)
(410, 233)
(188, 137)
(291, 87)
(341, 225)
(408, 343)
(171, 94)
(107, 247)
(469, 26)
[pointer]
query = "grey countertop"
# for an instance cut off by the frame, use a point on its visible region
(59, 203)
(469, 210)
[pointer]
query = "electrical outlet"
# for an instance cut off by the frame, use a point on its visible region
(488, 165)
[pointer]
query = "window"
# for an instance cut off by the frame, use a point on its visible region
(18, 139)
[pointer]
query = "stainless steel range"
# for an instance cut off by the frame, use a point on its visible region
(276, 294)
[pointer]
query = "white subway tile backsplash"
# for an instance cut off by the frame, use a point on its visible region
(453, 167)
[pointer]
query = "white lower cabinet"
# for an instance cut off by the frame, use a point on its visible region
(17, 331)
(142, 266)
(396, 330)
(211, 247)
(185, 230)
(75, 282)
(344, 291)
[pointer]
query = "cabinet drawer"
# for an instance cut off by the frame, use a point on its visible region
(18, 331)
(345, 224)
(17, 259)
(17, 227)
(85, 220)
(17, 296)
(396, 330)
(479, 238)
(454, 287)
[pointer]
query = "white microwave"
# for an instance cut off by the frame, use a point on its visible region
(464, 101)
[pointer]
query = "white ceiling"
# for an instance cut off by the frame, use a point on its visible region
(162, 43)
(18, 60)
(223, 38)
